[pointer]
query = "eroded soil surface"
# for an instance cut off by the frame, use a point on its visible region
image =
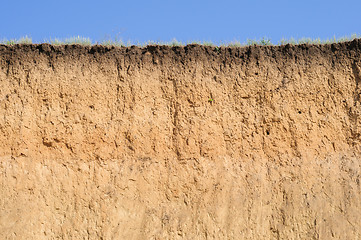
(187, 142)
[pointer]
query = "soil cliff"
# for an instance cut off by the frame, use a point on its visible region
(194, 142)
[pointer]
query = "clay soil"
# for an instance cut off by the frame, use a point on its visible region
(195, 142)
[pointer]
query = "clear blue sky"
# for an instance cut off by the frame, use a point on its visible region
(141, 20)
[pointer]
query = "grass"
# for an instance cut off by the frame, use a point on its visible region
(22, 40)
(72, 40)
(119, 43)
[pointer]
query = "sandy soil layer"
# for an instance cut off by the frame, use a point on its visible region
(187, 142)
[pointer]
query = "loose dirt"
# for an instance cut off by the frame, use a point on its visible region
(195, 142)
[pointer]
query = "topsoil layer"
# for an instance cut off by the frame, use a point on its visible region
(195, 142)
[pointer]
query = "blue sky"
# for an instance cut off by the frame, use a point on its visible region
(141, 21)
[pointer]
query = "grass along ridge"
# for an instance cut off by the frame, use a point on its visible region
(117, 42)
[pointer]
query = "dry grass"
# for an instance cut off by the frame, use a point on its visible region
(119, 43)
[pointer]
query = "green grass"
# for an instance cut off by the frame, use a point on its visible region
(119, 43)
(72, 40)
(22, 40)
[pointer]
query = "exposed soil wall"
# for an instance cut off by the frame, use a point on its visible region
(187, 142)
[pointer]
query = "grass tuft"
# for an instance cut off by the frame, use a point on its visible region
(116, 41)
(262, 42)
(72, 40)
(175, 43)
(22, 40)
(318, 40)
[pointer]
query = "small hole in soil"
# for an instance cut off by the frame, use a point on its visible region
(299, 112)
(267, 132)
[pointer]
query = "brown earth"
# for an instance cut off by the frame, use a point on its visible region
(187, 142)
